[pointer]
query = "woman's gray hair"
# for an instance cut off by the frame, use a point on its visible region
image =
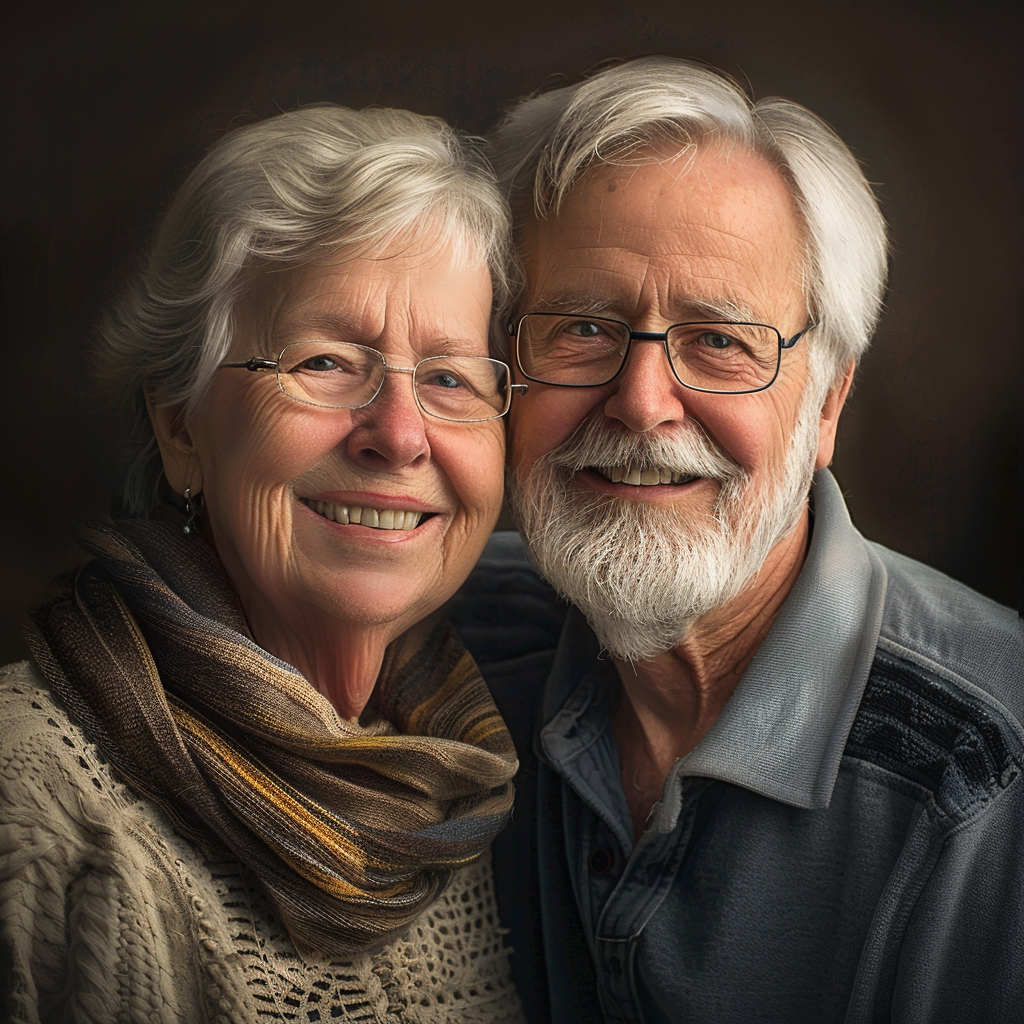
(621, 113)
(317, 182)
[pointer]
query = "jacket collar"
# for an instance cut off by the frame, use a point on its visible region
(783, 731)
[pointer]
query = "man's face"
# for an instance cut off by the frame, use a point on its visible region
(711, 235)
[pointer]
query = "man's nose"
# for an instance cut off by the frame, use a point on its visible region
(646, 392)
(389, 432)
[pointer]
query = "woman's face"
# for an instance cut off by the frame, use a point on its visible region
(273, 471)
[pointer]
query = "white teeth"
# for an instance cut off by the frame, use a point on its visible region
(648, 476)
(381, 519)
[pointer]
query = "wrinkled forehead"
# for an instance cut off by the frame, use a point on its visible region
(716, 222)
(412, 288)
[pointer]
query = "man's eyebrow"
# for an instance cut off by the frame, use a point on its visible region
(689, 308)
(719, 308)
(573, 302)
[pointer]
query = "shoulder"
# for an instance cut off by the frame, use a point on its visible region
(56, 789)
(505, 610)
(55, 781)
(951, 630)
(44, 757)
(942, 706)
(118, 914)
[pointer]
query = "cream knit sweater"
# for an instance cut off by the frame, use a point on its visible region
(106, 914)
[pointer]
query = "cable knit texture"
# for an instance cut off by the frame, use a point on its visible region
(108, 915)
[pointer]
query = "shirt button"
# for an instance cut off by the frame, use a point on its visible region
(600, 861)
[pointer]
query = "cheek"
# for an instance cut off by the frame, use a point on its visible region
(251, 453)
(267, 444)
(542, 419)
(478, 474)
(474, 468)
(753, 430)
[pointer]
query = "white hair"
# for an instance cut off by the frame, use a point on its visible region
(320, 181)
(631, 112)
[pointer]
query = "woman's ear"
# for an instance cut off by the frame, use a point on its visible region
(181, 467)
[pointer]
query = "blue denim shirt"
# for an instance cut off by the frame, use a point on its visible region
(846, 843)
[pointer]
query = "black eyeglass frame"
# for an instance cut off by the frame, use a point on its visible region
(261, 364)
(513, 327)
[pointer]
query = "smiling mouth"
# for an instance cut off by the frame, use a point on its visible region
(361, 515)
(646, 476)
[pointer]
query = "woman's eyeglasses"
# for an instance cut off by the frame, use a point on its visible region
(343, 375)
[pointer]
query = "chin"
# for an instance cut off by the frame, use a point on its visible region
(364, 598)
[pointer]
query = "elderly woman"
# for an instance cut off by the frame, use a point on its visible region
(250, 774)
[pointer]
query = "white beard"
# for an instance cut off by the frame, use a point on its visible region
(643, 572)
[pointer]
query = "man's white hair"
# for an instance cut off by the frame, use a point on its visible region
(636, 112)
(321, 182)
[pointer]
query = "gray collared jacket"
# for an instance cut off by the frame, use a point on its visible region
(845, 844)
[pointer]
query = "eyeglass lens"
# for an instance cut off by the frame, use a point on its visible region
(341, 375)
(587, 351)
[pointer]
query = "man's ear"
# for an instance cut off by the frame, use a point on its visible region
(829, 422)
(181, 467)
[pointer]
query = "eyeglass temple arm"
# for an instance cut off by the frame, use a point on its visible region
(255, 363)
(790, 342)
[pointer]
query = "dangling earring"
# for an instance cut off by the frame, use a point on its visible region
(191, 511)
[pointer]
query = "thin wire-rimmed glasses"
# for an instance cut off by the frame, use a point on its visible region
(343, 375)
(717, 356)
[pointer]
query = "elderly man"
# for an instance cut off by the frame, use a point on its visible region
(772, 772)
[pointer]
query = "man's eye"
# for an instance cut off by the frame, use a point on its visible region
(712, 339)
(583, 329)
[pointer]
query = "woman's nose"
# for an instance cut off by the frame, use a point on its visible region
(389, 432)
(646, 393)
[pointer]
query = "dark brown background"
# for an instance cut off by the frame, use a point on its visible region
(107, 107)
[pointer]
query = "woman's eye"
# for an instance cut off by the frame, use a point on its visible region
(446, 380)
(323, 362)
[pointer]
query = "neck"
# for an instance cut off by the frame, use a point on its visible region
(340, 660)
(668, 703)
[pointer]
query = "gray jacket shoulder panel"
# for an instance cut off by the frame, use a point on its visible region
(953, 631)
(922, 727)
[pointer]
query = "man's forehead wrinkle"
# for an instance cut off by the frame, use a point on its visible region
(702, 284)
(572, 302)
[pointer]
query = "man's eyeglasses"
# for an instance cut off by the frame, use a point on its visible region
(718, 356)
(342, 375)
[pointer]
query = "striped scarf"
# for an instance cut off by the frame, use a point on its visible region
(353, 829)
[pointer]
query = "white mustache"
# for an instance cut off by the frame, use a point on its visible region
(682, 448)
